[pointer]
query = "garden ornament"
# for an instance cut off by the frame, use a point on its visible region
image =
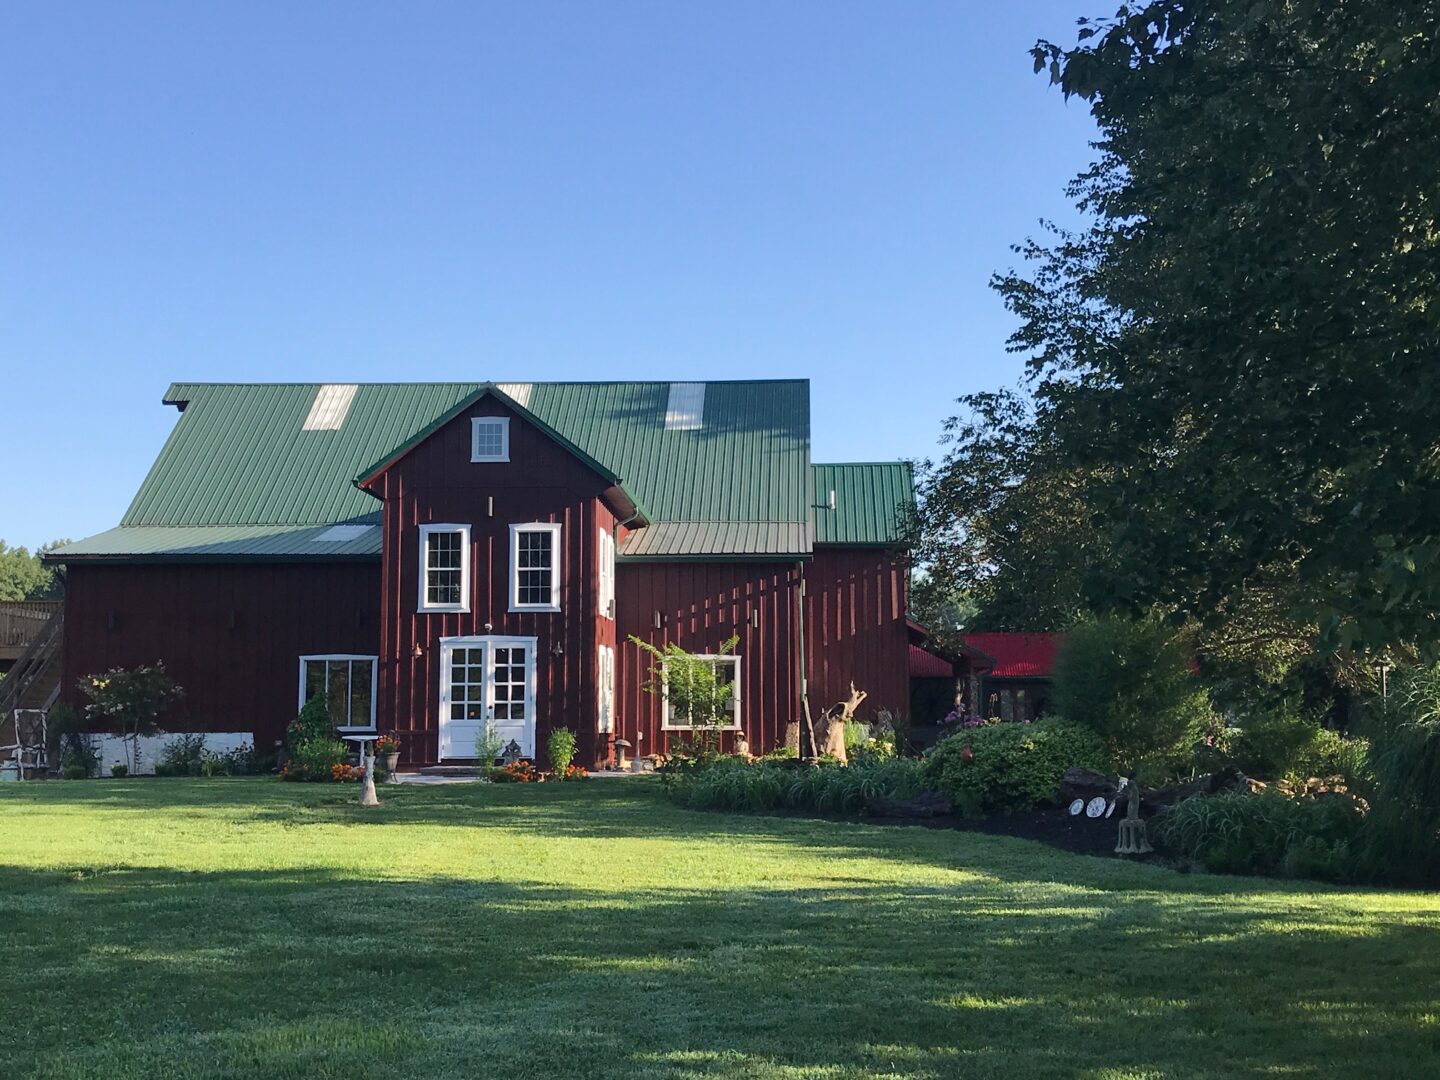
(511, 753)
(367, 787)
(1133, 838)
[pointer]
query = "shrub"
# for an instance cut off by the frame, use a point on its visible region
(561, 751)
(1241, 833)
(312, 723)
(181, 756)
(70, 744)
(1402, 837)
(75, 771)
(1007, 767)
(316, 759)
(119, 769)
(733, 784)
(1131, 682)
(131, 701)
(489, 744)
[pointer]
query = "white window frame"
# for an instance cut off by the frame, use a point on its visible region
(324, 657)
(475, 422)
(425, 531)
(607, 574)
(605, 690)
(516, 530)
(667, 722)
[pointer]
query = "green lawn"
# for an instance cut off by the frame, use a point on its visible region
(250, 928)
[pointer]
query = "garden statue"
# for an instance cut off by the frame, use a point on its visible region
(1133, 838)
(742, 746)
(511, 754)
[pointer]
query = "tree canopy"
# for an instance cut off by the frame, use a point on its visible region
(1234, 366)
(24, 577)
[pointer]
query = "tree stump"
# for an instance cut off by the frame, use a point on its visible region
(792, 736)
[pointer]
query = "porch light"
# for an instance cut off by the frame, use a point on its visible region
(418, 651)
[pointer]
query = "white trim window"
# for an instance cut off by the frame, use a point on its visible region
(605, 691)
(535, 567)
(729, 663)
(347, 680)
(444, 568)
(607, 574)
(489, 438)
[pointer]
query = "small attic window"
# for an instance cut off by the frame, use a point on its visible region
(340, 534)
(331, 404)
(490, 438)
(686, 408)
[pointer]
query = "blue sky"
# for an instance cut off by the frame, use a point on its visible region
(356, 192)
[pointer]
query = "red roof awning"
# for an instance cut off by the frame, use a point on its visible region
(1018, 656)
(926, 665)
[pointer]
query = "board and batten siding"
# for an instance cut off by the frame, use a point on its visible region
(231, 634)
(701, 604)
(437, 483)
(855, 608)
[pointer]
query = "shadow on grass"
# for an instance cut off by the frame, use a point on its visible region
(1024, 962)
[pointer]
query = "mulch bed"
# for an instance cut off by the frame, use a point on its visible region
(1080, 835)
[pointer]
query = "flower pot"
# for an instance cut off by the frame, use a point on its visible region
(388, 762)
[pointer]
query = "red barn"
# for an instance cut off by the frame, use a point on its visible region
(433, 557)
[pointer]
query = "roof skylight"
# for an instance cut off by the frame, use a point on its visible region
(331, 404)
(686, 408)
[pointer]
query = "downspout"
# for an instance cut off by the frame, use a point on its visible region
(804, 680)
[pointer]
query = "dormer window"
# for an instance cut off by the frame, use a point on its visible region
(490, 438)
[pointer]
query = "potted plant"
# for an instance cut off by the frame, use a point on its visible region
(387, 753)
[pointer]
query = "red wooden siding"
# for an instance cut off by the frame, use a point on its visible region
(855, 601)
(231, 634)
(437, 482)
(701, 605)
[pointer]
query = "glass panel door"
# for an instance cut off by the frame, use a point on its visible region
(510, 693)
(464, 699)
(487, 680)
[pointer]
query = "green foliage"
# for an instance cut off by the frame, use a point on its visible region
(70, 744)
(561, 750)
(733, 784)
(74, 770)
(489, 745)
(1402, 841)
(1130, 681)
(313, 722)
(694, 688)
(131, 700)
(1007, 767)
(24, 577)
(119, 769)
(1241, 833)
(315, 759)
(182, 755)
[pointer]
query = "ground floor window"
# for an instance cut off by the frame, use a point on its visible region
(347, 683)
(726, 670)
(605, 721)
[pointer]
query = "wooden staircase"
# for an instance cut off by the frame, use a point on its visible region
(33, 682)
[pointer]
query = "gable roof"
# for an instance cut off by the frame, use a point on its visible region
(872, 499)
(246, 455)
(1017, 656)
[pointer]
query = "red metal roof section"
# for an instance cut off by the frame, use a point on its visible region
(1018, 656)
(926, 665)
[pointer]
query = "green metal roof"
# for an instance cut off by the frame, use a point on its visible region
(239, 457)
(734, 539)
(871, 501)
(222, 542)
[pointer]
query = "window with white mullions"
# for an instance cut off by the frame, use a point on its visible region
(535, 567)
(607, 574)
(444, 568)
(727, 673)
(346, 682)
(490, 438)
(605, 712)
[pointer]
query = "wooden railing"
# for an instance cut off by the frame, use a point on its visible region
(21, 620)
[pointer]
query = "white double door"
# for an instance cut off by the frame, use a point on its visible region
(486, 680)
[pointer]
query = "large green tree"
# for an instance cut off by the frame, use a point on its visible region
(23, 576)
(1237, 361)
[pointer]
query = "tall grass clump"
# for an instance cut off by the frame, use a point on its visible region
(1402, 835)
(733, 784)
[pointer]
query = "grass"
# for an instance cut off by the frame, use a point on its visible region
(246, 928)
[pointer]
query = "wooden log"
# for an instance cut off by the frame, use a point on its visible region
(927, 805)
(1162, 798)
(1078, 783)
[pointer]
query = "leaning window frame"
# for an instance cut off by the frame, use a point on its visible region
(352, 657)
(475, 422)
(513, 587)
(666, 720)
(422, 598)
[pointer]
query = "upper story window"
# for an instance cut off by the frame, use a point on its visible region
(607, 574)
(490, 438)
(535, 567)
(444, 567)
